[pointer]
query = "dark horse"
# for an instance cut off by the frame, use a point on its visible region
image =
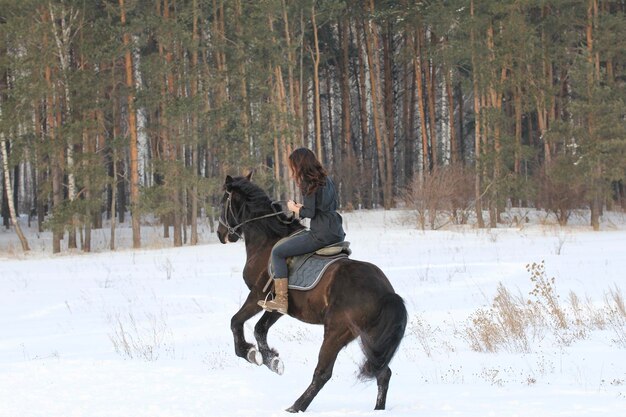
(353, 299)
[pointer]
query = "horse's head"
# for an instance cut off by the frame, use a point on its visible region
(246, 206)
(232, 208)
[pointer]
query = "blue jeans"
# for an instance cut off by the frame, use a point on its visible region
(297, 245)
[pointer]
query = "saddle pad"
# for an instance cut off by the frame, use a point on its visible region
(307, 274)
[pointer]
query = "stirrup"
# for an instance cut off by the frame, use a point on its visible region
(263, 303)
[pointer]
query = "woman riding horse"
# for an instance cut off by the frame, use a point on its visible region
(352, 299)
(319, 205)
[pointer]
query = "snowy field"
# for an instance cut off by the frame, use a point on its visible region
(146, 332)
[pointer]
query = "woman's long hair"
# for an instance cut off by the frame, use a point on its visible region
(307, 170)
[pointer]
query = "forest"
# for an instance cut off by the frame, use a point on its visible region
(115, 111)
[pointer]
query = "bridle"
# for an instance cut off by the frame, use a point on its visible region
(228, 207)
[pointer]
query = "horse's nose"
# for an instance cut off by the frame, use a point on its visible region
(222, 235)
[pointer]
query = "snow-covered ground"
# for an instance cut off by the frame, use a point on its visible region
(147, 332)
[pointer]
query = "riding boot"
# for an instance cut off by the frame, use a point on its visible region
(279, 303)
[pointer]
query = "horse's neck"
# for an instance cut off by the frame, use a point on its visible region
(258, 250)
(257, 242)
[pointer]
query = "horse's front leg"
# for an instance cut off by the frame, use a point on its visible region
(270, 356)
(244, 349)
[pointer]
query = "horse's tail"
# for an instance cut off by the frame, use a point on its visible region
(381, 341)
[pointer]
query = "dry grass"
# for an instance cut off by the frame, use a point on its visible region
(616, 315)
(423, 333)
(545, 296)
(514, 323)
(441, 197)
(145, 340)
(510, 324)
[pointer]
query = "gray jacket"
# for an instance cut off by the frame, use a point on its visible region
(321, 208)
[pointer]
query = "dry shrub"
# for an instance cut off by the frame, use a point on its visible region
(596, 317)
(483, 334)
(363, 191)
(546, 301)
(423, 332)
(510, 323)
(577, 309)
(585, 315)
(445, 191)
(145, 340)
(616, 315)
(561, 190)
(546, 298)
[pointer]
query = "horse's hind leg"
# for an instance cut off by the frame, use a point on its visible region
(334, 341)
(382, 381)
(270, 356)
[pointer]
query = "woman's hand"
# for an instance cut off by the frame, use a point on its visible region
(293, 206)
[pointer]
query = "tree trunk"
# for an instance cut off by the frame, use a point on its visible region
(316, 82)
(243, 90)
(113, 200)
(220, 91)
(454, 143)
(461, 100)
(388, 102)
(417, 62)
(380, 132)
(593, 78)
(54, 160)
(9, 192)
(304, 99)
(195, 126)
(62, 30)
(517, 103)
(38, 177)
(114, 156)
(543, 116)
(173, 149)
(293, 101)
(477, 128)
(86, 241)
(329, 108)
(291, 62)
(281, 148)
(347, 158)
(56, 171)
(132, 128)
(410, 94)
(364, 185)
(4, 211)
(16, 185)
(495, 102)
(301, 95)
(429, 71)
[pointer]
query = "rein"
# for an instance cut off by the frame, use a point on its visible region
(232, 230)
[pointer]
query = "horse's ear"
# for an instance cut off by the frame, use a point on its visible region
(249, 176)
(228, 182)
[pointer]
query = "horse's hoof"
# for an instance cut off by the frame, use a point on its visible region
(276, 365)
(292, 409)
(254, 356)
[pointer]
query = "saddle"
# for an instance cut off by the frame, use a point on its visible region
(306, 270)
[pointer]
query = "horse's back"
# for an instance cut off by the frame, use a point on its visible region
(357, 275)
(347, 285)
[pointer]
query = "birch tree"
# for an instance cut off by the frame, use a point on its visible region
(9, 190)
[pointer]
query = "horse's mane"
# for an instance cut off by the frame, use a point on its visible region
(257, 203)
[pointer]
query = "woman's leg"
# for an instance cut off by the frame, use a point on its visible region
(297, 245)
